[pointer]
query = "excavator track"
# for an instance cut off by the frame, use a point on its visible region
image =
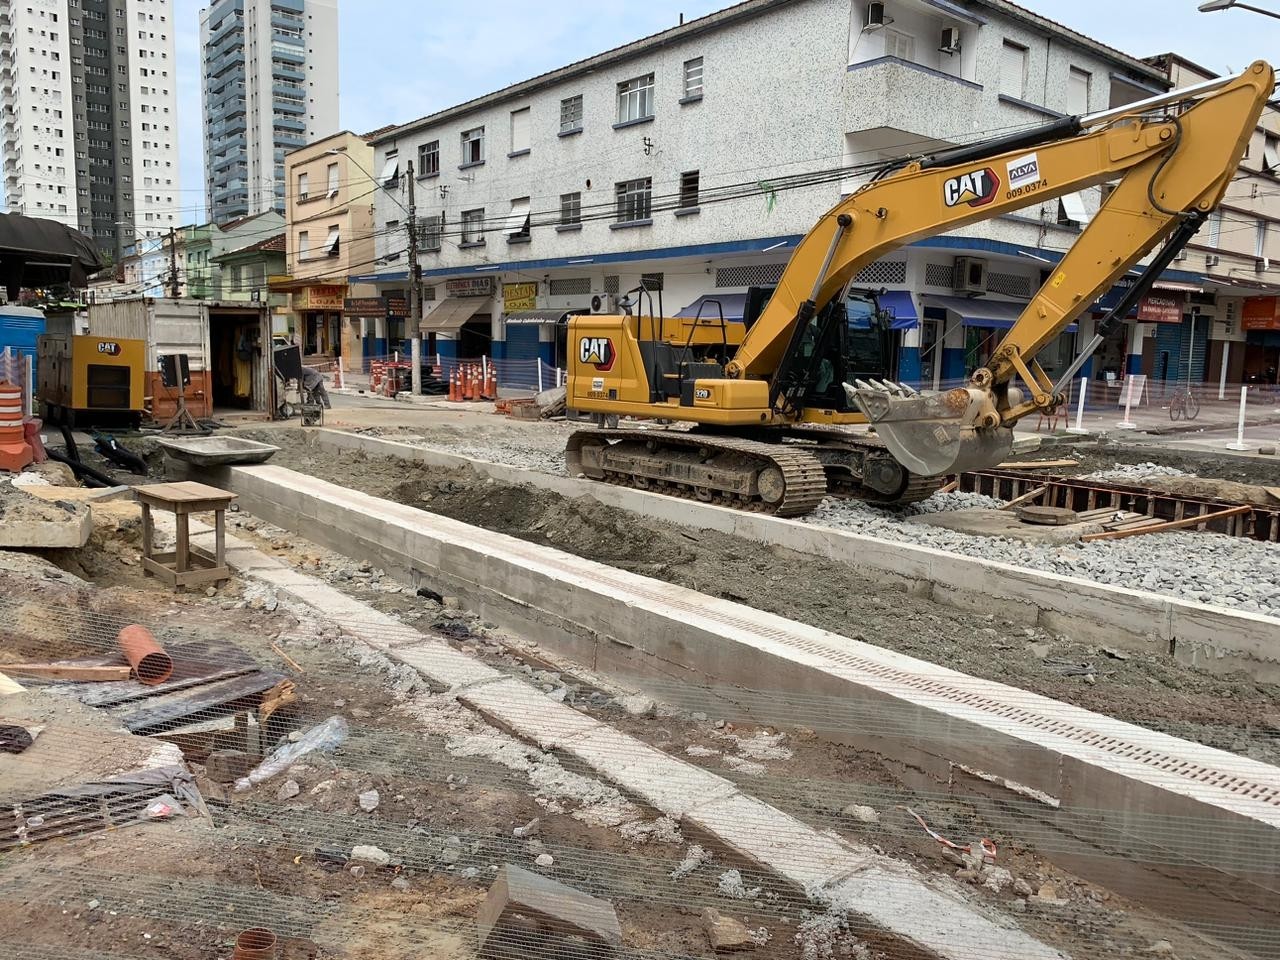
(916, 489)
(787, 481)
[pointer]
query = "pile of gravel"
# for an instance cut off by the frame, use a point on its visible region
(1129, 472)
(1200, 567)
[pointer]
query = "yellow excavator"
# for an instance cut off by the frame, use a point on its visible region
(769, 399)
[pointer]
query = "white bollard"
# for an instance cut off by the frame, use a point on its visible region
(539, 363)
(559, 377)
(1079, 427)
(1126, 423)
(31, 387)
(1222, 375)
(1239, 442)
(342, 378)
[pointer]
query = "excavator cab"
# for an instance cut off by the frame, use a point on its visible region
(846, 340)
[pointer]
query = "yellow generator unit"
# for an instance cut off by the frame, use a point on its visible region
(90, 379)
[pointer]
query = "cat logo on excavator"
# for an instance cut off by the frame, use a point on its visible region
(597, 351)
(977, 188)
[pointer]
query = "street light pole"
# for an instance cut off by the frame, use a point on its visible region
(415, 290)
(1215, 6)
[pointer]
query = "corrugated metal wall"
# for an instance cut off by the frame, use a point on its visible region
(168, 326)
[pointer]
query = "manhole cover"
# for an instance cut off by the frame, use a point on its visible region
(1047, 516)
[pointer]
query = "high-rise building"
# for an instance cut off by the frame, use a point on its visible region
(89, 89)
(270, 85)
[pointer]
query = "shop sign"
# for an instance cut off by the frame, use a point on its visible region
(1261, 313)
(519, 296)
(1161, 308)
(364, 307)
(319, 298)
(470, 287)
(397, 307)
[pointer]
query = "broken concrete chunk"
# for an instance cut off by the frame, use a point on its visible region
(226, 766)
(369, 801)
(861, 812)
(366, 853)
(725, 934)
(288, 790)
(524, 909)
(530, 829)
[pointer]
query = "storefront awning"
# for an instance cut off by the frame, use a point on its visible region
(898, 302)
(977, 312)
(450, 314)
(549, 316)
(712, 305)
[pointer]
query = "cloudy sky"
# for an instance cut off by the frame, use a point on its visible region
(402, 59)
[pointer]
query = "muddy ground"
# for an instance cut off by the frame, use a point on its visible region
(1232, 713)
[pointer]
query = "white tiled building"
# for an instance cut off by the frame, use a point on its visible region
(696, 158)
(89, 89)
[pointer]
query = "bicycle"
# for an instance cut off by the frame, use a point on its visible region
(1184, 404)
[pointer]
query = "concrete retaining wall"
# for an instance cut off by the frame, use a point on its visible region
(1182, 826)
(1211, 638)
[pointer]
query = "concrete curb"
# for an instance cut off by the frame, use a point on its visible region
(1210, 638)
(939, 922)
(1134, 806)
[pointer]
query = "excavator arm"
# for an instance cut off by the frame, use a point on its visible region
(1173, 157)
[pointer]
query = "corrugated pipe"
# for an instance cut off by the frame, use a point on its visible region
(150, 663)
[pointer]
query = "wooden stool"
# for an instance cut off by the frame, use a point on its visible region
(187, 566)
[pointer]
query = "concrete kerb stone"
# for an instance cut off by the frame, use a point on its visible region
(590, 611)
(760, 834)
(1211, 638)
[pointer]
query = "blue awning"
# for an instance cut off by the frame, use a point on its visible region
(898, 302)
(979, 312)
(712, 305)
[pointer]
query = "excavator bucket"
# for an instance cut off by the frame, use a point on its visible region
(932, 434)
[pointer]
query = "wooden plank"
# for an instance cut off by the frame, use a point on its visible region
(158, 716)
(1026, 497)
(950, 487)
(1037, 464)
(1170, 525)
(63, 671)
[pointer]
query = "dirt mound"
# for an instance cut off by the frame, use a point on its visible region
(1218, 489)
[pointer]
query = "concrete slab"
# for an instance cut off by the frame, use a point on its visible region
(527, 713)
(44, 526)
(80, 494)
(1003, 523)
(438, 661)
(554, 908)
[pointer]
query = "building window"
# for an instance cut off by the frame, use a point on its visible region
(332, 243)
(430, 233)
(571, 114)
(570, 209)
(1215, 228)
(390, 169)
(302, 186)
(473, 146)
(520, 131)
(1271, 154)
(688, 189)
(634, 200)
(517, 225)
(900, 45)
(1260, 241)
(1013, 70)
(304, 244)
(429, 159)
(1078, 92)
(333, 180)
(473, 226)
(635, 99)
(693, 79)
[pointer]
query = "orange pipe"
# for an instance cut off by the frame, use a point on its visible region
(151, 665)
(256, 943)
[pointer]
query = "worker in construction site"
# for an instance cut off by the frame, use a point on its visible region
(313, 387)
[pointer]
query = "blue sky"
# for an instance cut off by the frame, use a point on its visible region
(401, 59)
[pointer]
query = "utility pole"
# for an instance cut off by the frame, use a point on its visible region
(173, 264)
(415, 290)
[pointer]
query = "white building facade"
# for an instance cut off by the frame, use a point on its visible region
(680, 161)
(270, 85)
(90, 116)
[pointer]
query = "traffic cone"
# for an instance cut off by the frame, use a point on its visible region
(15, 452)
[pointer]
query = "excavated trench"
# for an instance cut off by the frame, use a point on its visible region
(1235, 714)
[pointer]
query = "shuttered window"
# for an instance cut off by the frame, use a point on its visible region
(1078, 92)
(1013, 70)
(519, 130)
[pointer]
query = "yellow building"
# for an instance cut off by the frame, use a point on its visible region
(329, 196)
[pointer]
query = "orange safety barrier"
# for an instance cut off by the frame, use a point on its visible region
(15, 452)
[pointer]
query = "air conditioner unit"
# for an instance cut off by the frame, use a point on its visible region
(1212, 260)
(950, 40)
(604, 303)
(1262, 265)
(1180, 255)
(875, 15)
(969, 276)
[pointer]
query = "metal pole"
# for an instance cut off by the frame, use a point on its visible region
(31, 387)
(1126, 423)
(1079, 427)
(415, 289)
(1240, 444)
(1222, 376)
(173, 264)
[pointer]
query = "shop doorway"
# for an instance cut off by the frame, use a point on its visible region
(475, 337)
(236, 346)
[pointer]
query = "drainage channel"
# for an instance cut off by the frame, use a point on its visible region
(935, 721)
